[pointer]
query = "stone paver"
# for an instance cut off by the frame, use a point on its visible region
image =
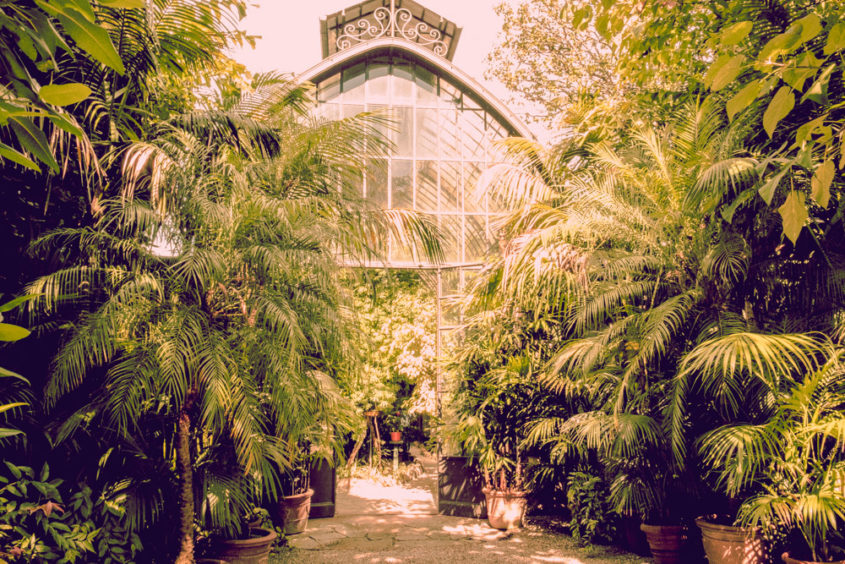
(377, 524)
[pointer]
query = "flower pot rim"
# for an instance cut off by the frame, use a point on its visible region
(504, 493)
(269, 535)
(704, 521)
(786, 556)
(304, 494)
(645, 527)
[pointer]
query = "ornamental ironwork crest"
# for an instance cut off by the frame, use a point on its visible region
(404, 19)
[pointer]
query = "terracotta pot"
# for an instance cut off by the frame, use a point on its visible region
(254, 550)
(291, 512)
(725, 544)
(505, 510)
(395, 436)
(667, 542)
(787, 559)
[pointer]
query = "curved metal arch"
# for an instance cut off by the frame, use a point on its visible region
(393, 45)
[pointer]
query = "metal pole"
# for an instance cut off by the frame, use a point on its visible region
(438, 408)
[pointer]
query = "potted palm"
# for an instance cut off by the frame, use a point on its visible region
(490, 429)
(796, 458)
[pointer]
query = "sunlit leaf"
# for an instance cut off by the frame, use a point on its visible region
(821, 182)
(724, 71)
(10, 333)
(780, 106)
(64, 94)
(736, 33)
(794, 215)
(743, 99)
(835, 39)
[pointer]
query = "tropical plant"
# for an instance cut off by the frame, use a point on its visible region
(38, 525)
(210, 296)
(785, 458)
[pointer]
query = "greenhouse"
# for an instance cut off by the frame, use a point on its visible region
(400, 281)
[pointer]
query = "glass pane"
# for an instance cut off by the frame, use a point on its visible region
(473, 198)
(353, 83)
(402, 184)
(450, 186)
(404, 137)
(426, 87)
(350, 110)
(403, 83)
(476, 238)
(472, 134)
(450, 282)
(378, 82)
(426, 197)
(377, 181)
(449, 95)
(426, 133)
(384, 125)
(399, 253)
(328, 112)
(328, 89)
(450, 135)
(450, 226)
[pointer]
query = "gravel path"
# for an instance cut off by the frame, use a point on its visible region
(396, 524)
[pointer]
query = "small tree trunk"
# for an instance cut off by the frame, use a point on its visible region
(354, 456)
(186, 490)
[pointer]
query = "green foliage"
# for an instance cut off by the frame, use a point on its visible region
(395, 314)
(37, 525)
(593, 519)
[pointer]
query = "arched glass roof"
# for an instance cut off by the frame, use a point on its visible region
(442, 139)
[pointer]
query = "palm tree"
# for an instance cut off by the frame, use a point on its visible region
(210, 294)
(785, 459)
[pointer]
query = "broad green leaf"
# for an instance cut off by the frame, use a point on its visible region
(780, 106)
(125, 4)
(90, 37)
(11, 406)
(5, 433)
(5, 373)
(726, 72)
(743, 99)
(12, 304)
(835, 39)
(64, 94)
(736, 33)
(794, 215)
(808, 27)
(17, 157)
(767, 190)
(778, 45)
(806, 131)
(803, 68)
(33, 140)
(582, 17)
(821, 182)
(10, 333)
(818, 91)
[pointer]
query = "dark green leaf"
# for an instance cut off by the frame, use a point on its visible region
(12, 304)
(33, 140)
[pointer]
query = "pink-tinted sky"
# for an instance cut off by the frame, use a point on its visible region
(290, 34)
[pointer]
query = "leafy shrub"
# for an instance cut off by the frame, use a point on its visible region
(593, 519)
(36, 525)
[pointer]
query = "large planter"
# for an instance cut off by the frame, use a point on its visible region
(726, 544)
(505, 510)
(787, 559)
(292, 512)
(667, 543)
(254, 550)
(323, 481)
(459, 485)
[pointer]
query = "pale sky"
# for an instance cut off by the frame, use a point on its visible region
(290, 34)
